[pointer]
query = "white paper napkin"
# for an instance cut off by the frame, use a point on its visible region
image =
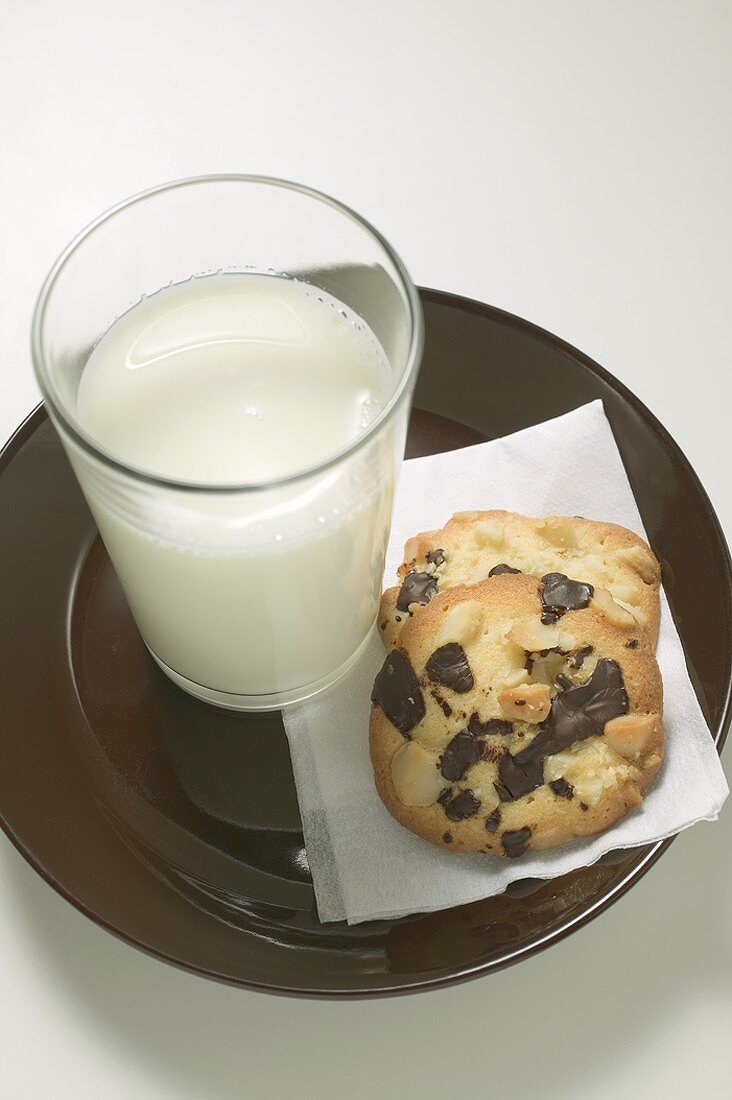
(364, 865)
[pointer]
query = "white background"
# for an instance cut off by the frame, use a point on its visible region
(568, 161)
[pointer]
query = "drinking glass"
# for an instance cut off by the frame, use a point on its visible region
(250, 596)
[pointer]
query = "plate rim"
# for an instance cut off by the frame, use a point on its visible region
(25, 430)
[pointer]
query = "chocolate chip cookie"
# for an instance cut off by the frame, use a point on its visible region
(514, 715)
(618, 565)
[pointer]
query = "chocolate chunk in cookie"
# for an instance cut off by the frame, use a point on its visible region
(578, 659)
(463, 805)
(449, 666)
(396, 690)
(516, 841)
(516, 778)
(435, 557)
(562, 788)
(460, 753)
(416, 588)
(502, 567)
(441, 702)
(492, 752)
(493, 821)
(494, 727)
(583, 710)
(579, 712)
(559, 594)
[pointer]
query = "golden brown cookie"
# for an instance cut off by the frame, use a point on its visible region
(618, 564)
(495, 730)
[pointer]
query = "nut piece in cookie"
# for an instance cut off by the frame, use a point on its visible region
(533, 635)
(559, 531)
(526, 703)
(630, 734)
(603, 602)
(417, 782)
(461, 624)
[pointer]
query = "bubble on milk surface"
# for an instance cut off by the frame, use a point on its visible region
(370, 408)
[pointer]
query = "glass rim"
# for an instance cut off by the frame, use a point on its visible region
(88, 444)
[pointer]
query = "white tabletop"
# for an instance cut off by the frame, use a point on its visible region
(567, 161)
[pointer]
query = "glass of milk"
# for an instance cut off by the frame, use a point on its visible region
(229, 362)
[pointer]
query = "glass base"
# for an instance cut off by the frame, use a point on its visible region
(257, 703)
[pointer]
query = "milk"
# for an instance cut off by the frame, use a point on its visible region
(235, 380)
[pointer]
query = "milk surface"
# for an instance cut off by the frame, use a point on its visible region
(241, 380)
(232, 379)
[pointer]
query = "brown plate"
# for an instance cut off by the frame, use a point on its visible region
(175, 825)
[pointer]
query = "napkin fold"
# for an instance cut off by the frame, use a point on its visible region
(364, 865)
